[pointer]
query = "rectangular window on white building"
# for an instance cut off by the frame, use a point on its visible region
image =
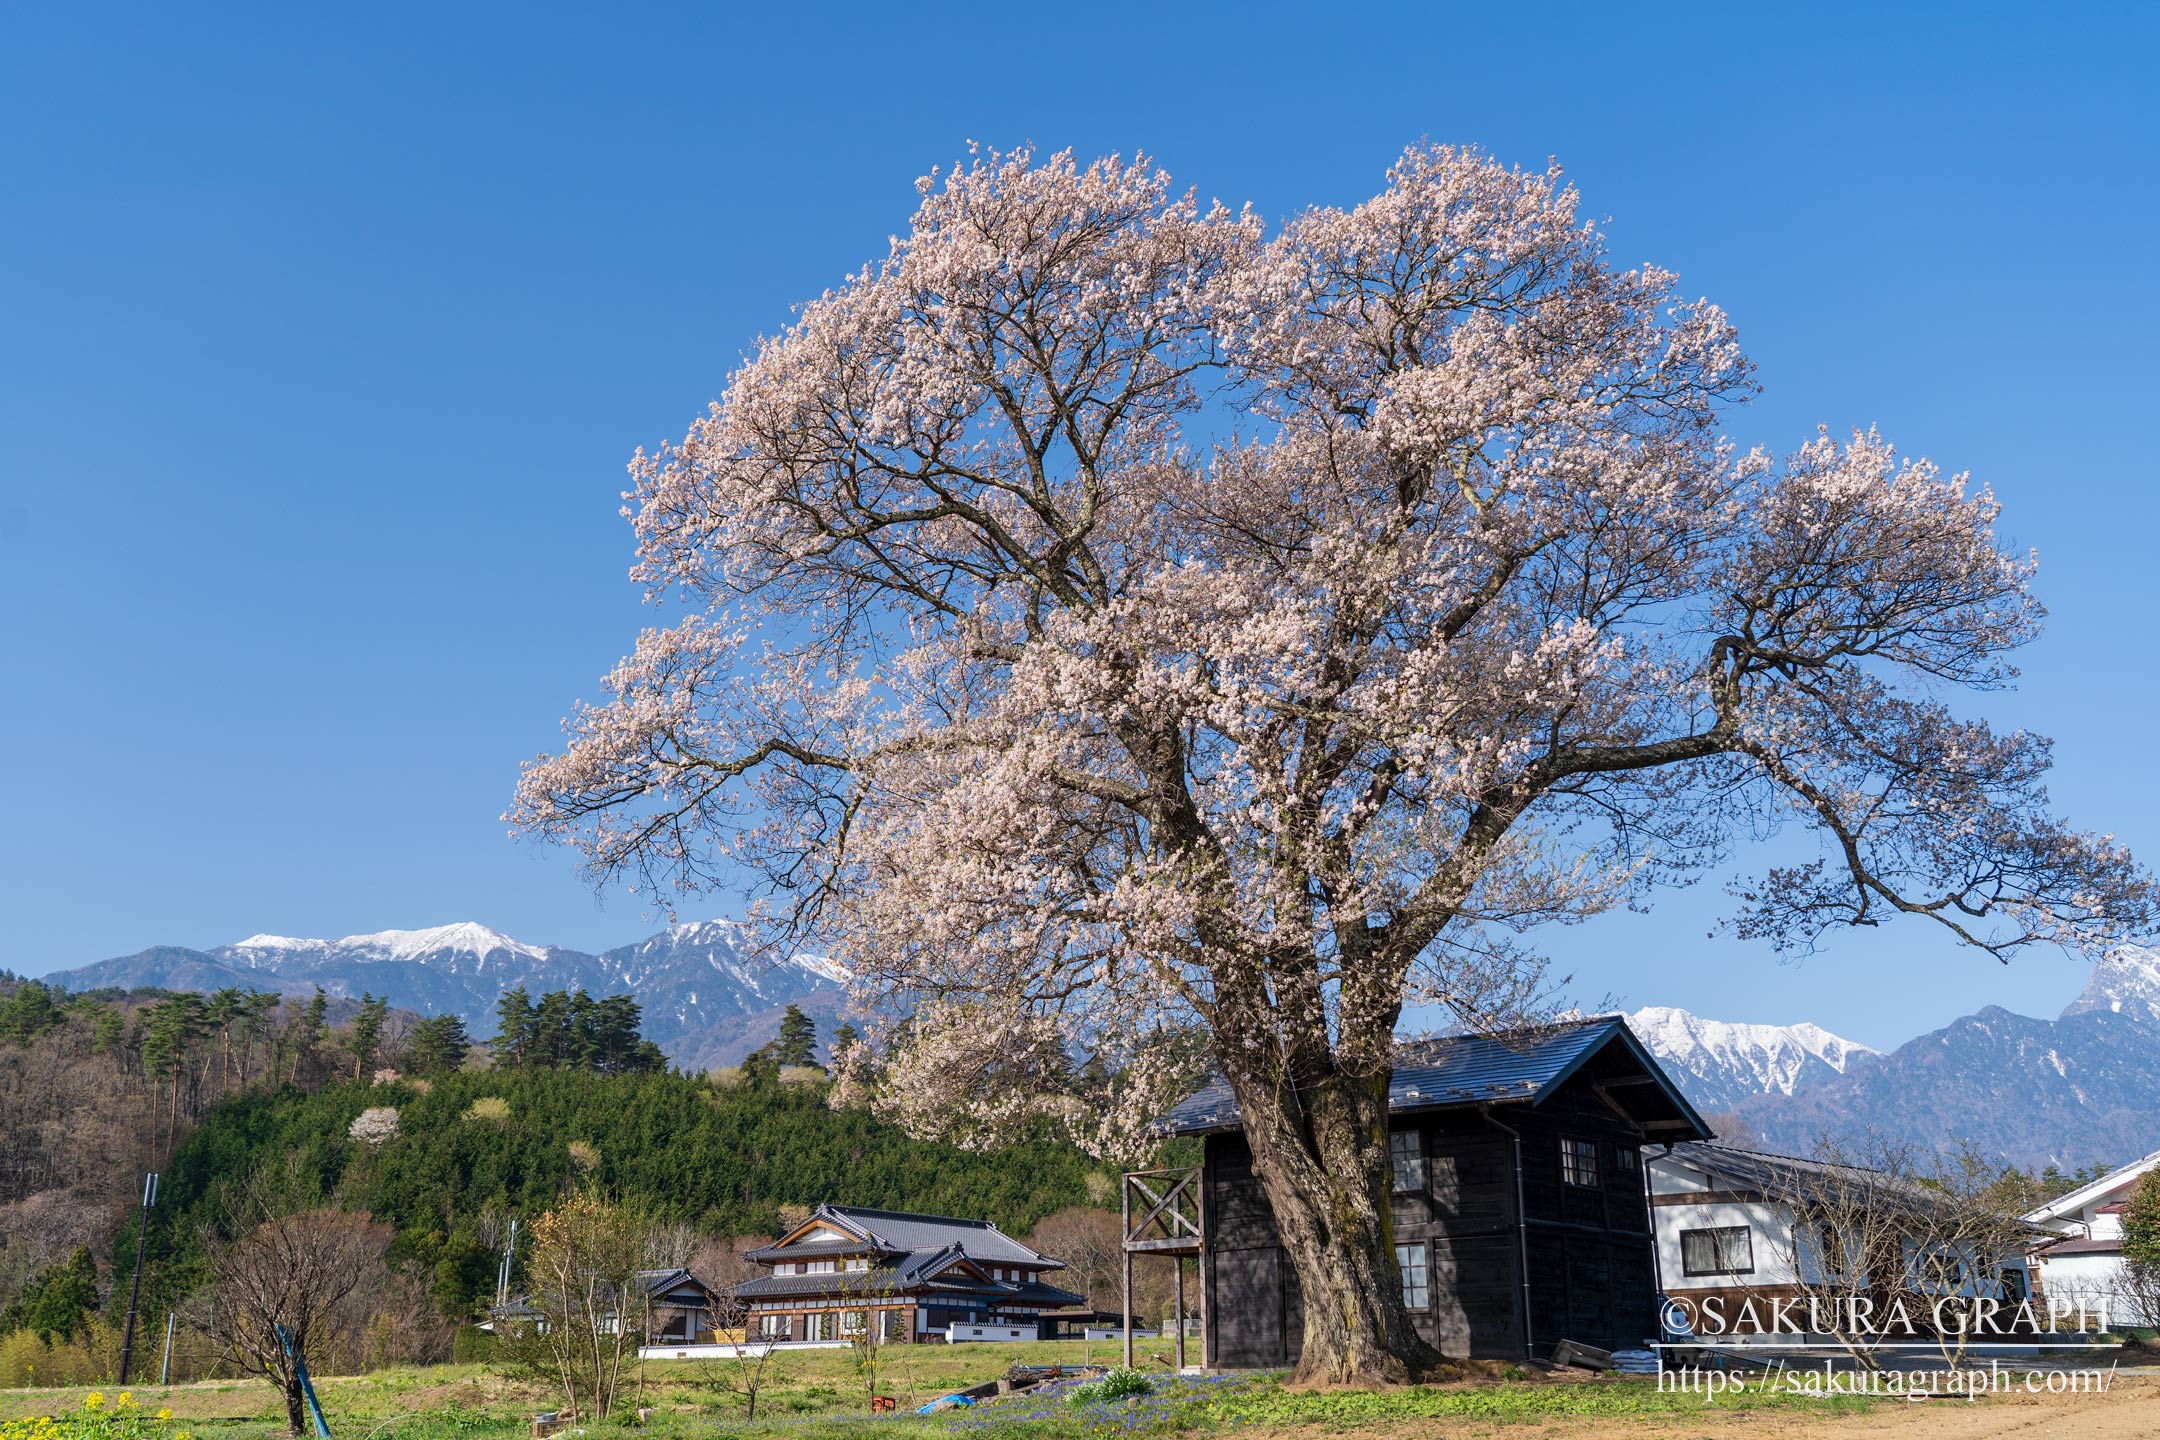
(1724, 1250)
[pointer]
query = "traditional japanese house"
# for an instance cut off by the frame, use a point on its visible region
(1520, 1218)
(683, 1307)
(677, 1309)
(847, 1271)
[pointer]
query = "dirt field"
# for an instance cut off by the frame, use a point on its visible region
(2128, 1410)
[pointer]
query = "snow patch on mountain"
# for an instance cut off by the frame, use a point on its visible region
(463, 938)
(2125, 981)
(1722, 1063)
(274, 942)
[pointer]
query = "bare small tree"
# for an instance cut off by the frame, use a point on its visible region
(276, 1285)
(749, 1356)
(1888, 1243)
(720, 1261)
(590, 1305)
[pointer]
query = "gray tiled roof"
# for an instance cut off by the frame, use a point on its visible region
(897, 1231)
(914, 1248)
(1515, 1066)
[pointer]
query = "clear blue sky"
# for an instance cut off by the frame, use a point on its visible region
(323, 340)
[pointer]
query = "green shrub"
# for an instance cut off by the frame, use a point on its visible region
(470, 1345)
(27, 1359)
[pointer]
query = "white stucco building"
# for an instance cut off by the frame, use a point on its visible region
(2086, 1265)
(1724, 1237)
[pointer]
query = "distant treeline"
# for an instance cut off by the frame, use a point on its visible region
(98, 1087)
(449, 1160)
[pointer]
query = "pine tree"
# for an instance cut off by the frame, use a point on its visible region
(551, 1030)
(514, 1026)
(797, 1043)
(438, 1046)
(308, 1032)
(367, 1028)
(843, 1035)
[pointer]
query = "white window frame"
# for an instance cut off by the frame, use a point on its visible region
(1413, 1263)
(1406, 1161)
(1578, 1162)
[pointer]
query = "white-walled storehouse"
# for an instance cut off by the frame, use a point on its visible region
(2086, 1264)
(1724, 1237)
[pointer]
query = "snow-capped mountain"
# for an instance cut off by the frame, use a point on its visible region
(2125, 981)
(707, 1001)
(1721, 1064)
(2081, 1088)
(2072, 1091)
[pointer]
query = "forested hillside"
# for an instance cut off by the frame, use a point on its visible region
(449, 1160)
(97, 1088)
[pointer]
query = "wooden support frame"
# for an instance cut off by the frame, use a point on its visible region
(1164, 1212)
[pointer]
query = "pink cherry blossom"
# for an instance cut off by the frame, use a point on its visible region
(1140, 645)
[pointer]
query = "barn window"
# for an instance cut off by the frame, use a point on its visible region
(1941, 1269)
(1416, 1279)
(1578, 1161)
(1630, 1158)
(1726, 1250)
(1406, 1160)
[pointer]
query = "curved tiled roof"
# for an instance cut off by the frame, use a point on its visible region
(913, 1250)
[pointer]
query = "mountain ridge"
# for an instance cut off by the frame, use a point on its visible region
(706, 1000)
(2080, 1087)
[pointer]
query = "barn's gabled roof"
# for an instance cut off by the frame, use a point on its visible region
(1510, 1067)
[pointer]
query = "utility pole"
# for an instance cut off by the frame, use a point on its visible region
(502, 1270)
(165, 1370)
(142, 1230)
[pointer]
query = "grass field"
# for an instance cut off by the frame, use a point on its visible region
(819, 1393)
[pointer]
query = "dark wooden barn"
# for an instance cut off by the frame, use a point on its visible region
(1519, 1213)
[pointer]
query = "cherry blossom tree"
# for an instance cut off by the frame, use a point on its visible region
(1138, 644)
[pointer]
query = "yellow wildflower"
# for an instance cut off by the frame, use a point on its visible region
(95, 1400)
(165, 1414)
(126, 1399)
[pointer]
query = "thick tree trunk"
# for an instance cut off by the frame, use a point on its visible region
(1321, 1155)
